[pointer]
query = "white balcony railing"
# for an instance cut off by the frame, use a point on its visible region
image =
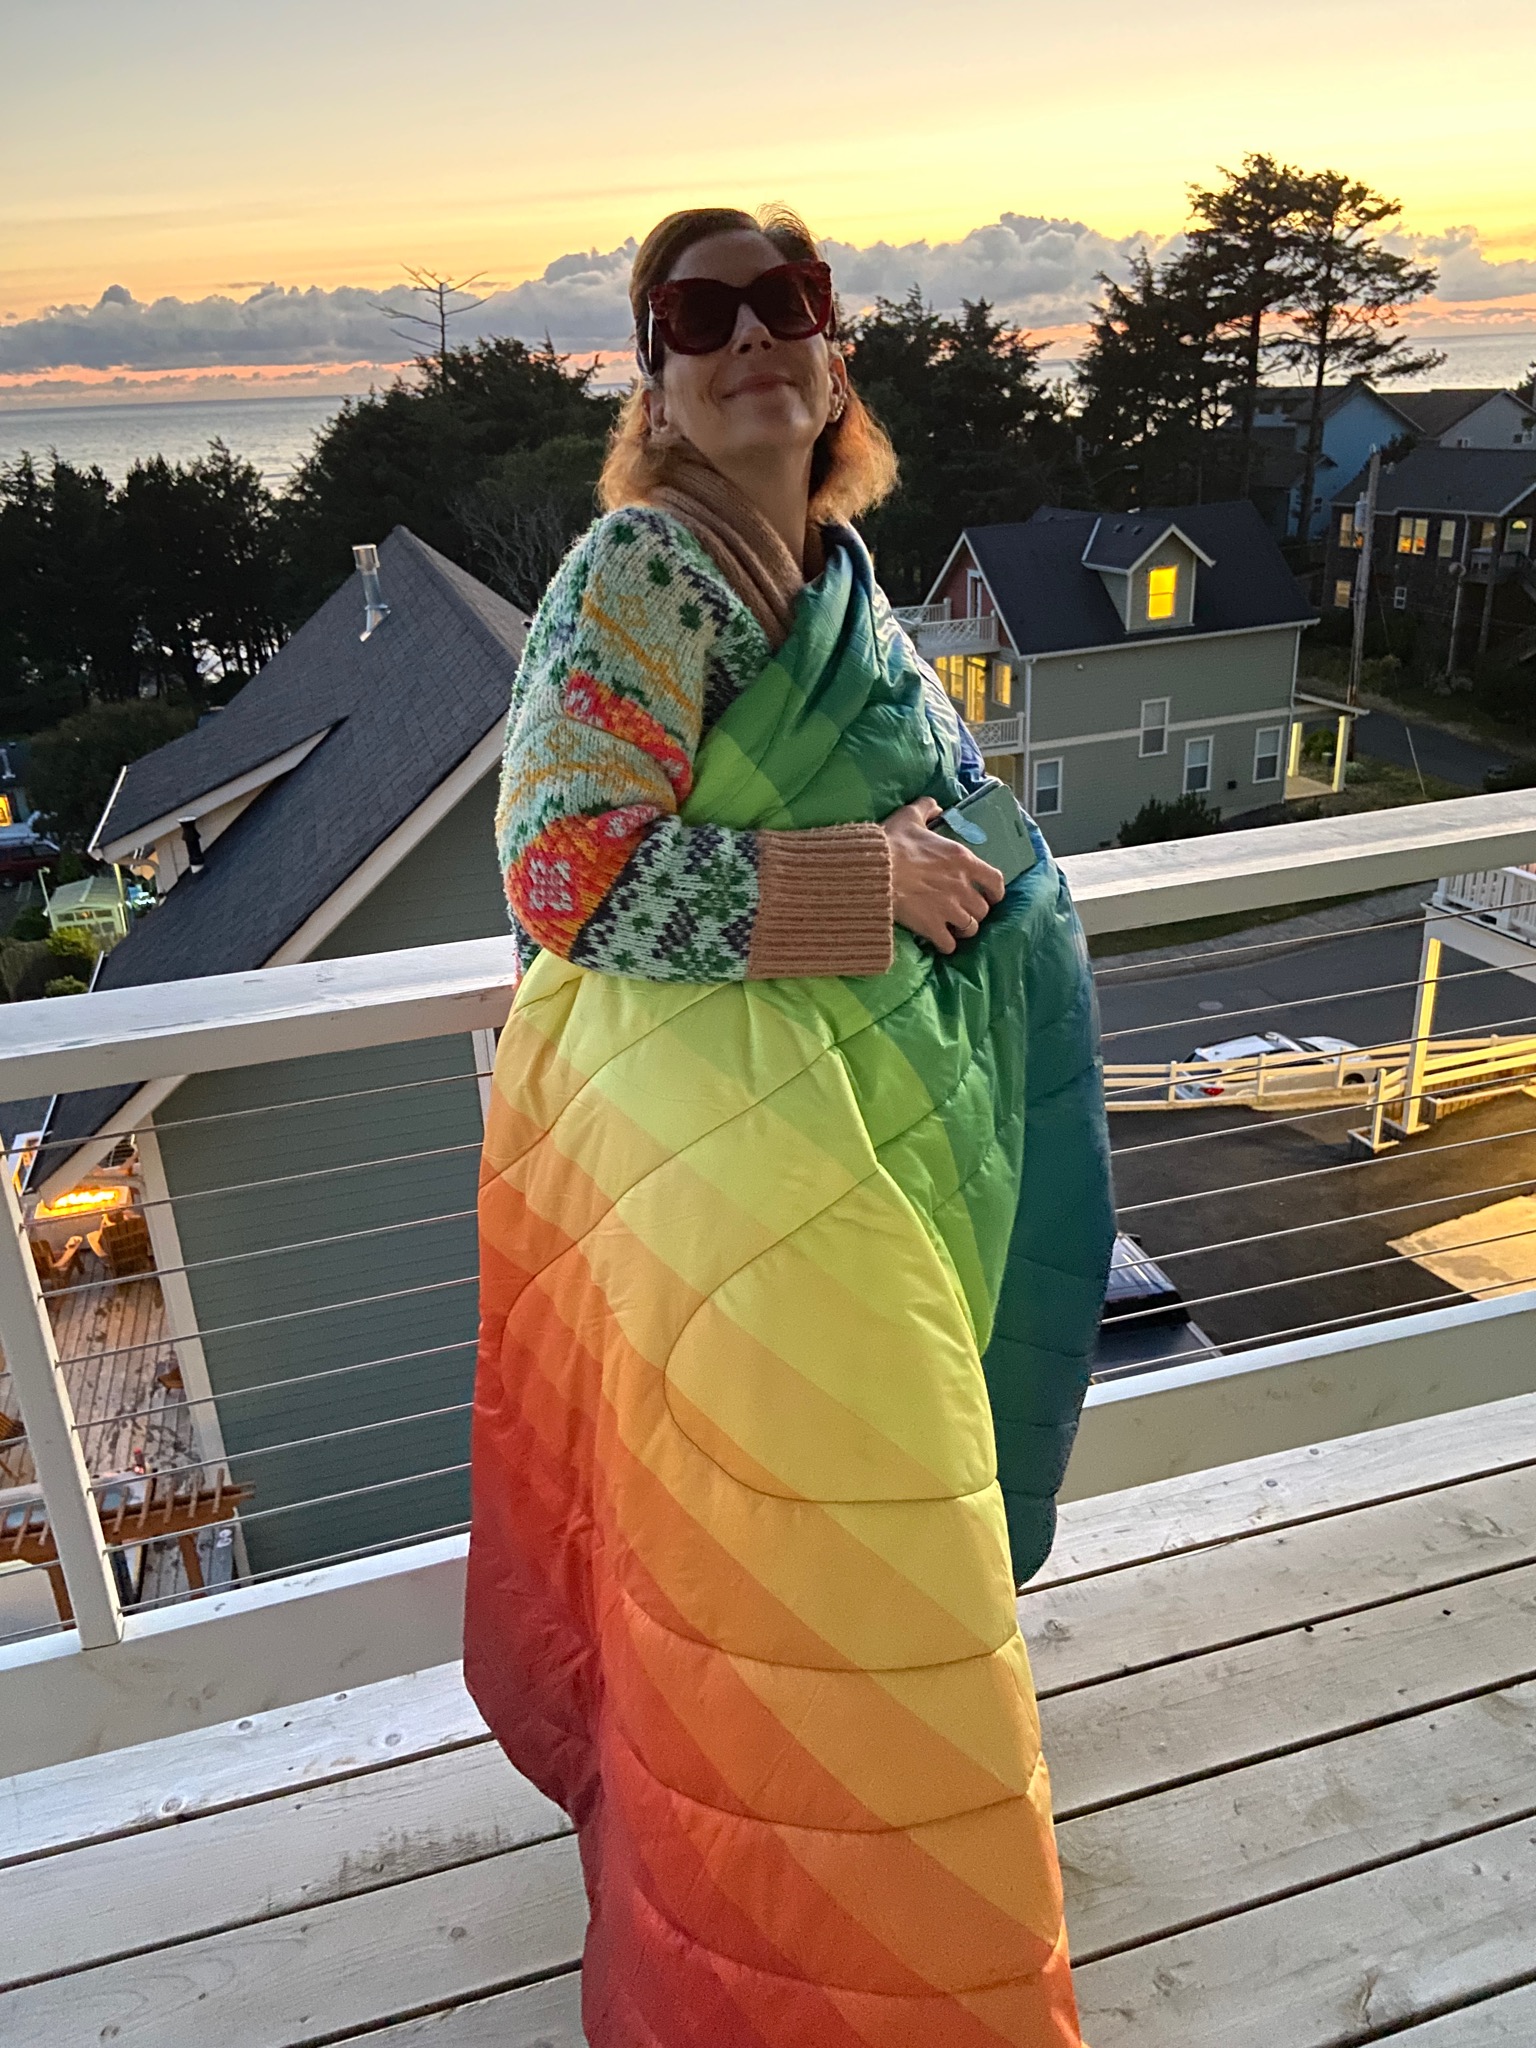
(116, 1666)
(1504, 899)
(979, 635)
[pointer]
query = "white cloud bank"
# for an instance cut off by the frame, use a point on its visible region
(1040, 273)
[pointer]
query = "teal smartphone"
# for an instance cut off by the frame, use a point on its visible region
(991, 822)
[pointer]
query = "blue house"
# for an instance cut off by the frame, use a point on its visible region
(1356, 419)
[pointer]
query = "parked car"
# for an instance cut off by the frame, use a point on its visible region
(1146, 1322)
(24, 851)
(1253, 1047)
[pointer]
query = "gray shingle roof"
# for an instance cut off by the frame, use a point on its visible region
(402, 710)
(1434, 413)
(1483, 481)
(1051, 602)
(1120, 539)
(1295, 400)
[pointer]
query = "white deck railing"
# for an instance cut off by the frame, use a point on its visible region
(117, 1676)
(1502, 898)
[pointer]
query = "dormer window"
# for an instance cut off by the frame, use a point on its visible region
(1162, 592)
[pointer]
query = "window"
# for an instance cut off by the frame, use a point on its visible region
(1447, 546)
(1154, 726)
(1400, 598)
(1002, 683)
(950, 669)
(1162, 592)
(973, 589)
(1266, 753)
(1488, 533)
(1197, 766)
(975, 689)
(1412, 536)
(1518, 539)
(1343, 594)
(5, 811)
(1047, 789)
(1348, 538)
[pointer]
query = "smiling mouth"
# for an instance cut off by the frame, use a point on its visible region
(761, 384)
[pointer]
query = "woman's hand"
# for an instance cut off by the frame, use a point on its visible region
(939, 889)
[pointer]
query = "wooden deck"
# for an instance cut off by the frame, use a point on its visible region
(1290, 1709)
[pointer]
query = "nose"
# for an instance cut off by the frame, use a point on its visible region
(750, 331)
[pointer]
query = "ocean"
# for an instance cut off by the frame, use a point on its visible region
(274, 433)
(277, 433)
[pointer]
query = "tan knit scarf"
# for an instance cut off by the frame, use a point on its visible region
(746, 550)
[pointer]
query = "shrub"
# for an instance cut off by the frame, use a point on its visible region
(25, 966)
(31, 923)
(73, 947)
(1186, 817)
(65, 985)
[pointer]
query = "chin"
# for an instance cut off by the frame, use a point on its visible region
(763, 419)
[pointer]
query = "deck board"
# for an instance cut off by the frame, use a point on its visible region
(1160, 1864)
(1325, 1480)
(1124, 1738)
(1148, 1614)
(1306, 1817)
(309, 1975)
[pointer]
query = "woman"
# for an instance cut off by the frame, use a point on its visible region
(795, 1156)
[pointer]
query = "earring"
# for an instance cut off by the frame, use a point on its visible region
(839, 402)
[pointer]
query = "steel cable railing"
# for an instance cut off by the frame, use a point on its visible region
(257, 1305)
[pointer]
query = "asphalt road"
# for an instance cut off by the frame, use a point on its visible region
(1273, 1225)
(1385, 737)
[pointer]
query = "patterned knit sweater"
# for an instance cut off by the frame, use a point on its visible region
(638, 646)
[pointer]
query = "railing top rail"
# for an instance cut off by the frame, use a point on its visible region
(233, 1020)
(1130, 888)
(118, 1036)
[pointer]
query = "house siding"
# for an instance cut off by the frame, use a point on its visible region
(447, 890)
(1227, 685)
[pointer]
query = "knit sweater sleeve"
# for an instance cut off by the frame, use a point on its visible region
(635, 638)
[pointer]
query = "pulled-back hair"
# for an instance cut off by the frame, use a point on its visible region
(853, 464)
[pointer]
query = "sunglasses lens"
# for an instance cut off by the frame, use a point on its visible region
(699, 315)
(792, 303)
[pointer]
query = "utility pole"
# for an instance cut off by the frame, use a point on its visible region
(1365, 533)
(1460, 573)
(1491, 528)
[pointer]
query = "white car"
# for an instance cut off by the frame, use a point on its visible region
(1251, 1048)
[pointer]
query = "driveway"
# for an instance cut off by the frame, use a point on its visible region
(1385, 736)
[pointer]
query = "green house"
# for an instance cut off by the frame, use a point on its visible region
(1102, 659)
(312, 1222)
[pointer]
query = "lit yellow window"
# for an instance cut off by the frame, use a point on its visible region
(951, 673)
(5, 811)
(1162, 593)
(1002, 684)
(975, 689)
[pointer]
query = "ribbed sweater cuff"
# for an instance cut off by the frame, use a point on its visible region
(824, 902)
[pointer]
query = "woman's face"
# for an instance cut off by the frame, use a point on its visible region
(756, 394)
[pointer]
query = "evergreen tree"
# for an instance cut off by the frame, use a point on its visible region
(1150, 383)
(1245, 237)
(1346, 292)
(979, 434)
(410, 455)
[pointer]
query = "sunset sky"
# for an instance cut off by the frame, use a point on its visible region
(181, 150)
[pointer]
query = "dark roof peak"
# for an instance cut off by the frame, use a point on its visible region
(1052, 601)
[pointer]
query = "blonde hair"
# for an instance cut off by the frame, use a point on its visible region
(853, 465)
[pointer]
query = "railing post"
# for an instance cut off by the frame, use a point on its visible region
(1423, 1026)
(48, 1416)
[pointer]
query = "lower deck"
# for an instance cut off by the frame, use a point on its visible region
(1290, 1711)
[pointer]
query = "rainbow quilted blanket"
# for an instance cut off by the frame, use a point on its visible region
(787, 1290)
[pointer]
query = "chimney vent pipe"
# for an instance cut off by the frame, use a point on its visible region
(375, 610)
